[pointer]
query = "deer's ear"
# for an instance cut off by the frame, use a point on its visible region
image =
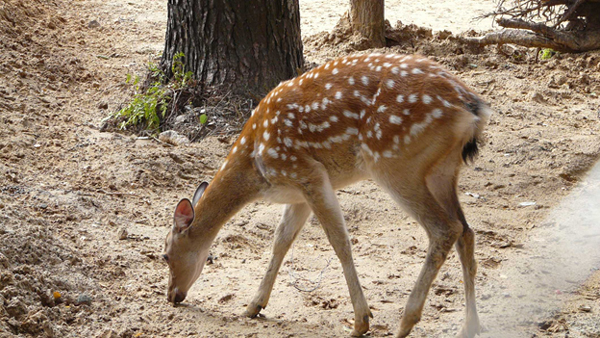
(184, 215)
(199, 192)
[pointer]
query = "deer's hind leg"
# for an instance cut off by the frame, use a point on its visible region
(442, 182)
(431, 199)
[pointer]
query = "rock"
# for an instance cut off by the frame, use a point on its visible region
(4, 262)
(93, 24)
(123, 234)
(16, 308)
(172, 137)
(83, 299)
(537, 97)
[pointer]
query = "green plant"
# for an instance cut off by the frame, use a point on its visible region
(145, 106)
(181, 78)
(547, 53)
(150, 104)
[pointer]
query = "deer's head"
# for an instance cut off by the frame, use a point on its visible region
(185, 251)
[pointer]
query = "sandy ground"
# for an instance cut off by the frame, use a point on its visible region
(84, 213)
(318, 15)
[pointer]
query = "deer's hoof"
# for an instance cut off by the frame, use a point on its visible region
(252, 310)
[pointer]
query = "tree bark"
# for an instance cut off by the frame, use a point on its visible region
(246, 47)
(366, 17)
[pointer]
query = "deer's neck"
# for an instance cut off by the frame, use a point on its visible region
(236, 184)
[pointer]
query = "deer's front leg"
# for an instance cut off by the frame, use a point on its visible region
(320, 196)
(294, 217)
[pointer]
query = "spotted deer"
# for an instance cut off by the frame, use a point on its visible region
(401, 120)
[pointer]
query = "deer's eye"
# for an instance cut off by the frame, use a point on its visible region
(166, 258)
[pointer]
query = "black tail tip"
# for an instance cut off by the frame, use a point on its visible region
(470, 151)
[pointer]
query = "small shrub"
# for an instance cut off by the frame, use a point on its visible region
(149, 105)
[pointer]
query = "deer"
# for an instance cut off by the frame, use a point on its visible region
(402, 121)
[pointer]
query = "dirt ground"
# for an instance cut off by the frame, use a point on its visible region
(84, 213)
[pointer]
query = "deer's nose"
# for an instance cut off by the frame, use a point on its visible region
(175, 296)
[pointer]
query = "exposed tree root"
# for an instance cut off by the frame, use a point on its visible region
(563, 25)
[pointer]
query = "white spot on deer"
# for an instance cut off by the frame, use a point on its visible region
(266, 123)
(301, 109)
(387, 65)
(396, 139)
(365, 80)
(303, 125)
(327, 66)
(299, 83)
(426, 99)
(316, 75)
(417, 128)
(315, 105)
(403, 65)
(293, 175)
(288, 142)
(363, 113)
(291, 116)
(403, 73)
(437, 113)
(338, 95)
(288, 123)
(234, 150)
(381, 108)
(266, 136)
(366, 148)
(400, 98)
(417, 71)
(351, 80)
(253, 125)
(412, 98)
(334, 71)
(273, 153)
(307, 108)
(333, 118)
(261, 148)
(406, 139)
(328, 86)
(290, 83)
(352, 131)
(274, 120)
(390, 83)
(395, 119)
(243, 140)
(378, 68)
(395, 70)
(387, 154)
(223, 166)
(406, 112)
(369, 134)
(350, 114)
(335, 139)
(293, 158)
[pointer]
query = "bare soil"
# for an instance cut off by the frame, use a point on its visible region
(84, 213)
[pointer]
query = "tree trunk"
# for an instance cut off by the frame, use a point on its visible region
(366, 17)
(247, 47)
